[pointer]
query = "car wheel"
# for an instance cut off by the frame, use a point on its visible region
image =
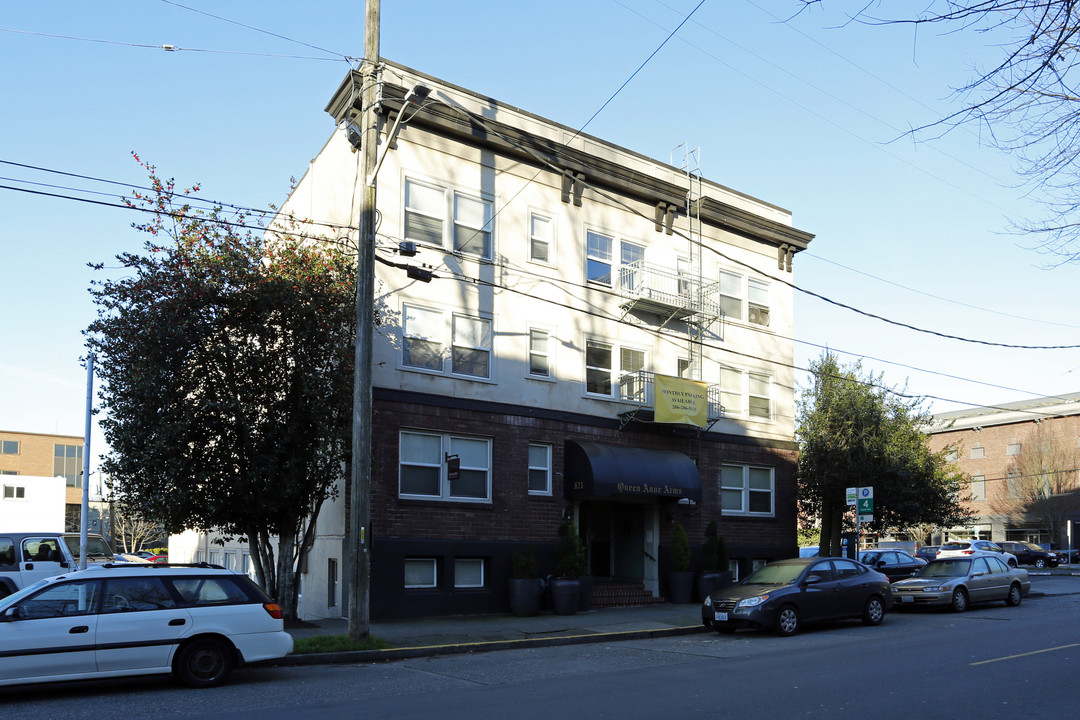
(204, 663)
(874, 612)
(1040, 563)
(959, 600)
(787, 621)
(1015, 596)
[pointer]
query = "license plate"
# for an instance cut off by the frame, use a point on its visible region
(907, 598)
(720, 616)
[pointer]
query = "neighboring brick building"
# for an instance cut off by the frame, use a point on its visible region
(572, 283)
(1022, 460)
(47, 456)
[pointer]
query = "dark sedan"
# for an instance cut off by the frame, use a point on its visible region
(928, 552)
(896, 564)
(782, 595)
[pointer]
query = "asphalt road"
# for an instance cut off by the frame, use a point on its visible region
(991, 662)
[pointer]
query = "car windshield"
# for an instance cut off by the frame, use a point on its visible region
(96, 549)
(775, 574)
(945, 568)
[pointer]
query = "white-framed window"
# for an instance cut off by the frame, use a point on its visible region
(539, 469)
(423, 330)
(978, 453)
(429, 205)
(540, 360)
(424, 341)
(230, 560)
(978, 487)
(423, 464)
(731, 391)
(200, 556)
(1015, 487)
(746, 490)
(541, 238)
(471, 350)
(248, 566)
(630, 253)
(9, 447)
(14, 492)
(631, 382)
(468, 572)
(731, 294)
(600, 370)
(684, 369)
(760, 396)
(421, 573)
(598, 255)
(1012, 449)
(758, 306)
(215, 557)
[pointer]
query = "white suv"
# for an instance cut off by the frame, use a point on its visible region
(975, 548)
(196, 621)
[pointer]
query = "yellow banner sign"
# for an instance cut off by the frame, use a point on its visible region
(681, 401)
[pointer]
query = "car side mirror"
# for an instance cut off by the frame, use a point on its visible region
(12, 613)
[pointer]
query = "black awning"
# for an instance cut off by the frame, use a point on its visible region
(595, 470)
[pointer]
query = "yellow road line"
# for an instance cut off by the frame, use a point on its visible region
(1033, 652)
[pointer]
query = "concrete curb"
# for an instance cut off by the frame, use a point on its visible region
(407, 653)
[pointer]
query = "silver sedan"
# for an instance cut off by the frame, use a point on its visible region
(959, 582)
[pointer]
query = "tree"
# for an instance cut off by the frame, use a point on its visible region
(1041, 488)
(132, 531)
(1027, 100)
(225, 363)
(854, 432)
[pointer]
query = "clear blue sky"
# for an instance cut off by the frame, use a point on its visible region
(798, 113)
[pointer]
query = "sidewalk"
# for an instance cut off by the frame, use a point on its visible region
(423, 637)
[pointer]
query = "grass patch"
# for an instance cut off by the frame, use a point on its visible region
(336, 643)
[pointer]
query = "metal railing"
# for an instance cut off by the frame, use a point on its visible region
(662, 289)
(638, 389)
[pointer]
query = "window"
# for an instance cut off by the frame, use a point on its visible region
(731, 391)
(7, 552)
(631, 379)
(598, 258)
(230, 560)
(468, 573)
(760, 396)
(758, 312)
(249, 567)
(215, 557)
(539, 469)
(1014, 486)
(539, 353)
(427, 207)
(952, 455)
(67, 462)
(597, 368)
(978, 453)
(9, 472)
(684, 369)
(72, 517)
(472, 226)
(1012, 448)
(14, 492)
(420, 573)
(9, 447)
(631, 260)
(731, 294)
(216, 590)
(471, 352)
(200, 556)
(131, 594)
(423, 331)
(331, 582)
(746, 490)
(541, 238)
(978, 487)
(423, 470)
(63, 600)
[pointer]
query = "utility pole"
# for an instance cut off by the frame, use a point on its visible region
(360, 489)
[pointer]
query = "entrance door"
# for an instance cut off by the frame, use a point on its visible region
(628, 541)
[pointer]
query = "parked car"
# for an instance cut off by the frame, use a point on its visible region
(784, 594)
(197, 622)
(27, 557)
(893, 563)
(958, 582)
(1031, 554)
(927, 552)
(975, 548)
(130, 558)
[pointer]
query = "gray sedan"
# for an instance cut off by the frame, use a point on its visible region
(959, 582)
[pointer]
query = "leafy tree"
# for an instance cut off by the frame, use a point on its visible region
(1025, 102)
(225, 359)
(853, 432)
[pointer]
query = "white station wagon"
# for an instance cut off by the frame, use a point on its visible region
(196, 621)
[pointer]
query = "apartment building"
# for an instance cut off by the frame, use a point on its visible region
(43, 455)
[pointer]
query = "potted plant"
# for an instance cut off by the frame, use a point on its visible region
(680, 579)
(525, 585)
(714, 563)
(569, 565)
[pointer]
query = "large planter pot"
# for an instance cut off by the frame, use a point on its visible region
(585, 598)
(709, 582)
(681, 587)
(525, 596)
(565, 595)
